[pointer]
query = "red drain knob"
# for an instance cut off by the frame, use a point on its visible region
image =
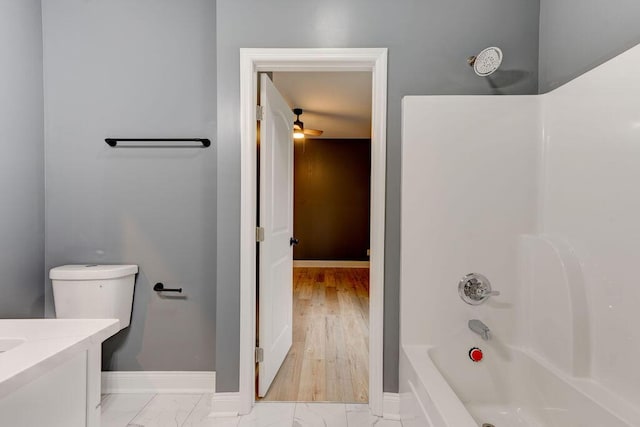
(475, 354)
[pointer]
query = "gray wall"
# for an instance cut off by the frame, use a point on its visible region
(135, 68)
(428, 43)
(21, 160)
(578, 35)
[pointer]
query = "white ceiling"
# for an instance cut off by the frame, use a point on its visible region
(339, 103)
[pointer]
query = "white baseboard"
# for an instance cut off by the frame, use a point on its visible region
(225, 405)
(391, 406)
(331, 264)
(158, 382)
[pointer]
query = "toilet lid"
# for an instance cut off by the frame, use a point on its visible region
(92, 271)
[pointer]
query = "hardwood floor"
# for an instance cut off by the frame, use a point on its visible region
(329, 358)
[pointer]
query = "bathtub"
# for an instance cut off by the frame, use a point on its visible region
(442, 387)
(50, 371)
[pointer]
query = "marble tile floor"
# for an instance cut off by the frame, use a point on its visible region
(192, 410)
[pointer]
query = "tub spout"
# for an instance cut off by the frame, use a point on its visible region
(479, 328)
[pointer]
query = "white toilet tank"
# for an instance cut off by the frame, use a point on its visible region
(94, 291)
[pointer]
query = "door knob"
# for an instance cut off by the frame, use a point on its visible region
(293, 241)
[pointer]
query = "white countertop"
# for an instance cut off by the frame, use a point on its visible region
(48, 343)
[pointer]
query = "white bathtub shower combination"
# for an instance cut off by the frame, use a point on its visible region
(538, 194)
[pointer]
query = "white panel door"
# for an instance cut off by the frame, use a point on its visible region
(275, 331)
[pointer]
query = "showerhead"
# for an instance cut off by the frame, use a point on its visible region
(486, 62)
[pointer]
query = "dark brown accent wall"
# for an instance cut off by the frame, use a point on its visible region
(331, 199)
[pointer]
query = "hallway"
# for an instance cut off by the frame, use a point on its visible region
(329, 358)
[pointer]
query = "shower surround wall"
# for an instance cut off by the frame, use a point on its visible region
(539, 194)
(143, 68)
(591, 199)
(468, 189)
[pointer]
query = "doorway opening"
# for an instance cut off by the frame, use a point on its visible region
(252, 62)
(328, 352)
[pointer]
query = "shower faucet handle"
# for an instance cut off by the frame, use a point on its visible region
(474, 289)
(491, 293)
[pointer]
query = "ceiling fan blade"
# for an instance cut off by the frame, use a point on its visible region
(313, 132)
(299, 126)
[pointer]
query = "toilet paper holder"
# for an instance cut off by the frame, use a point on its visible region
(159, 287)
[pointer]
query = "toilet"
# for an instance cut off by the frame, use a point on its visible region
(92, 291)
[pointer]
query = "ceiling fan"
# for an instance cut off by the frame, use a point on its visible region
(299, 130)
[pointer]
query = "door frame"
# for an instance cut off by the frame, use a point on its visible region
(253, 61)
